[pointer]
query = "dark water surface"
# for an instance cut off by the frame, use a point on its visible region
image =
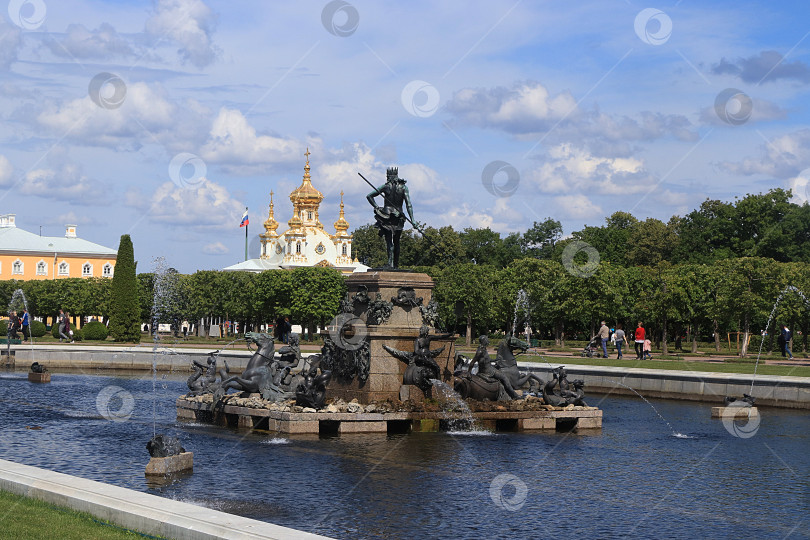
(633, 478)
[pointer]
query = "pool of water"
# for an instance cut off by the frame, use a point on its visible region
(634, 478)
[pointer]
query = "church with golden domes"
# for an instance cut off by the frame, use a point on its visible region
(305, 243)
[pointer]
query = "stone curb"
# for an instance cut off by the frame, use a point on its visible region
(769, 390)
(136, 510)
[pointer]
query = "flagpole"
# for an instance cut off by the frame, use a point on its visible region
(246, 236)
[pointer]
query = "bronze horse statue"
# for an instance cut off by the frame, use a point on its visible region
(498, 382)
(506, 363)
(259, 373)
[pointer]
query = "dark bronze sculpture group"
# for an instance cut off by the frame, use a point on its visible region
(483, 379)
(276, 378)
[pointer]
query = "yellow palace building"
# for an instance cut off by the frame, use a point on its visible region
(26, 256)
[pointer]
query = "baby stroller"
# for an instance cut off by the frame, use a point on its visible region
(594, 348)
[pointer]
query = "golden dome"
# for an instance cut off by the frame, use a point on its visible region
(341, 225)
(270, 224)
(306, 194)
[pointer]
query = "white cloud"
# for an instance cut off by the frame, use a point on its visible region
(209, 206)
(146, 116)
(65, 184)
(463, 216)
(570, 169)
(336, 170)
(528, 109)
(762, 110)
(215, 248)
(577, 206)
(233, 142)
(525, 108)
(79, 42)
(190, 24)
(10, 42)
(6, 172)
(782, 157)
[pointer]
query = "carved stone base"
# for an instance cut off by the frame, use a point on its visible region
(406, 292)
(39, 377)
(162, 466)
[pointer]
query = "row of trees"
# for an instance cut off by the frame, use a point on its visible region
(729, 295)
(761, 225)
(309, 296)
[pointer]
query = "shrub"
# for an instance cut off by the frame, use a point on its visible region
(37, 328)
(3, 328)
(94, 331)
(76, 332)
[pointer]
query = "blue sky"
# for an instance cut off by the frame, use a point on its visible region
(594, 106)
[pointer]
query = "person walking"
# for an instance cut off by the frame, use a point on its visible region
(26, 325)
(13, 325)
(604, 336)
(286, 330)
(639, 341)
(62, 335)
(619, 338)
(647, 349)
(68, 331)
(786, 336)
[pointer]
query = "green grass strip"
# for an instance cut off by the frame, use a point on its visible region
(31, 519)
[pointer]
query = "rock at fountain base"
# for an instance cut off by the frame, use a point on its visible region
(734, 412)
(39, 377)
(163, 466)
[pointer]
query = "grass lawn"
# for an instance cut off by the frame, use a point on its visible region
(733, 366)
(24, 518)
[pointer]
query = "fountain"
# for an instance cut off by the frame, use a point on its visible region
(381, 361)
(167, 456)
(743, 408)
(522, 302)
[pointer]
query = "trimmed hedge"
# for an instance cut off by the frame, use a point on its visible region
(94, 331)
(38, 329)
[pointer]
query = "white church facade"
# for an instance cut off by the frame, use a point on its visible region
(305, 243)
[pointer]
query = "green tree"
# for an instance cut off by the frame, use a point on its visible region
(541, 237)
(368, 246)
(650, 242)
(124, 306)
(465, 291)
(316, 296)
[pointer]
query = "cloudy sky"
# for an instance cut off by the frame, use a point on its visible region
(165, 119)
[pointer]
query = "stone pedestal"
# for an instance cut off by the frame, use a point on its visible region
(734, 412)
(39, 377)
(162, 466)
(398, 331)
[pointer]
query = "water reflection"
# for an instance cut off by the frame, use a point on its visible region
(631, 479)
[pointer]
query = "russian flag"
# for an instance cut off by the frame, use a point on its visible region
(245, 220)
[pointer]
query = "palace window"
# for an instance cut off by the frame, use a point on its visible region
(344, 250)
(298, 247)
(64, 268)
(87, 270)
(17, 267)
(42, 268)
(106, 270)
(310, 215)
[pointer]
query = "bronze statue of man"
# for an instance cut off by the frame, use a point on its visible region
(390, 218)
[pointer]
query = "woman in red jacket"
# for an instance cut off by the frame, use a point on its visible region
(639, 345)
